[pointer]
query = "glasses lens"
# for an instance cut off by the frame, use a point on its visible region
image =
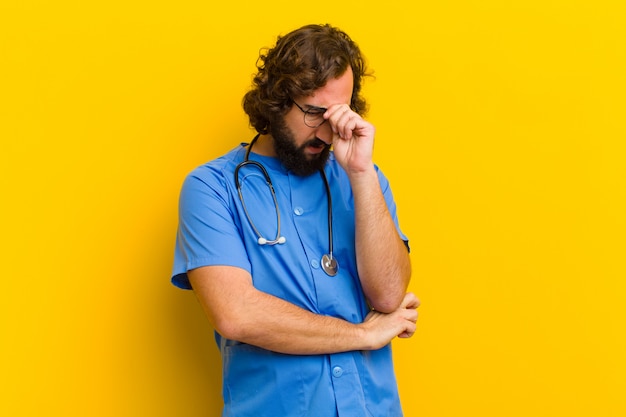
(313, 118)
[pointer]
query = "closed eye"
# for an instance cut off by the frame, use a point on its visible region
(316, 110)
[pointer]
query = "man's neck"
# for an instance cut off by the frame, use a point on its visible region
(264, 146)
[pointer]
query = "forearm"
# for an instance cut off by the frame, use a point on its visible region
(382, 257)
(274, 324)
(240, 312)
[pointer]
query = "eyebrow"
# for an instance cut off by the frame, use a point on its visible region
(318, 108)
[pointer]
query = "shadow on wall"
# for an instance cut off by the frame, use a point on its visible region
(189, 383)
(195, 356)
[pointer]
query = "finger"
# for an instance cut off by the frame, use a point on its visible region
(410, 301)
(409, 331)
(348, 124)
(335, 111)
(411, 315)
(342, 120)
(333, 115)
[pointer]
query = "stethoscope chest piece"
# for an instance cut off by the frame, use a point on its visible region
(329, 265)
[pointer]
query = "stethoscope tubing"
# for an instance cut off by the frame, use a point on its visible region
(261, 240)
(329, 264)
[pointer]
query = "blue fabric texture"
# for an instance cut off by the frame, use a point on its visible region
(213, 230)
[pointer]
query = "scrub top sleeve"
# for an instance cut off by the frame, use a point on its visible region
(207, 231)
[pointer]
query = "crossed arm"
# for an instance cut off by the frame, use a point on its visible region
(239, 311)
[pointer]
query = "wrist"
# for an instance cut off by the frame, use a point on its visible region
(369, 337)
(362, 176)
(363, 337)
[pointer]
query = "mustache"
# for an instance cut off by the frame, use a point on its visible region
(316, 142)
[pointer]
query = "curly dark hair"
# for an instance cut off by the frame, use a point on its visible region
(301, 62)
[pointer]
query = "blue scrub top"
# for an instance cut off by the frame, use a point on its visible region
(214, 230)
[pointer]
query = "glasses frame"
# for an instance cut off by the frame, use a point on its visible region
(312, 110)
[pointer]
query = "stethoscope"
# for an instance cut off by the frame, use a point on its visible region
(329, 263)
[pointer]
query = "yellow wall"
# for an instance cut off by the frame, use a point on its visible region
(500, 124)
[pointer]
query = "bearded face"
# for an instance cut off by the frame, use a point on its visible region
(294, 157)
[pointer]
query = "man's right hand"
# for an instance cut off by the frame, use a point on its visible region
(381, 328)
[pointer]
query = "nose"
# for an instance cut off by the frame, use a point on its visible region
(325, 133)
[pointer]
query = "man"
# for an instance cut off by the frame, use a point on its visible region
(293, 250)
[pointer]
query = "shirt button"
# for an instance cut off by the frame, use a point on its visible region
(298, 211)
(337, 371)
(315, 263)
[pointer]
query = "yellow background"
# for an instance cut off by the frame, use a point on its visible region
(500, 125)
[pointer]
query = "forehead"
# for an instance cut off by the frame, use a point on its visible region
(336, 91)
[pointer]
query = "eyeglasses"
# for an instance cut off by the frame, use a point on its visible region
(313, 116)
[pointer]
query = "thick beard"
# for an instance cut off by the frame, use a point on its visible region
(293, 157)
